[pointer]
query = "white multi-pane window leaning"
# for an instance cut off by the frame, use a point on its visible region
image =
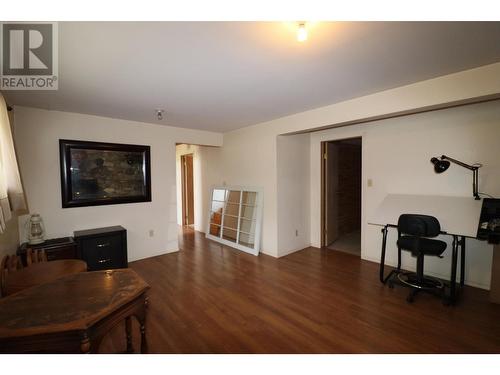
(11, 191)
(235, 217)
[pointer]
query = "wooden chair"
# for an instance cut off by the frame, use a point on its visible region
(9, 264)
(35, 256)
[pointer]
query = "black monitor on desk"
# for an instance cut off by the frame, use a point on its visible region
(489, 222)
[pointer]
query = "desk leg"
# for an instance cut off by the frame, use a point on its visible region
(382, 258)
(128, 331)
(453, 278)
(462, 261)
(495, 275)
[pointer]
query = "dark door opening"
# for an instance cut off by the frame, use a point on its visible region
(187, 189)
(341, 195)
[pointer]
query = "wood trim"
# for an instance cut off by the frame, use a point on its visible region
(323, 187)
(187, 189)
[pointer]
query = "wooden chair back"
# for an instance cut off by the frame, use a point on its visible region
(35, 256)
(9, 264)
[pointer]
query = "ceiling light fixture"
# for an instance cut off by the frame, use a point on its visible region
(302, 32)
(159, 114)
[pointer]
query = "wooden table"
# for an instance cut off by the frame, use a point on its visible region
(73, 313)
(40, 273)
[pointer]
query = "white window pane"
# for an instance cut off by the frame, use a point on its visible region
(217, 206)
(231, 221)
(248, 212)
(246, 240)
(247, 226)
(249, 198)
(229, 234)
(234, 196)
(219, 195)
(232, 209)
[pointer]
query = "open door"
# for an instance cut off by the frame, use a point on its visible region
(187, 189)
(341, 195)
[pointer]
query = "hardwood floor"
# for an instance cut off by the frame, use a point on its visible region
(208, 298)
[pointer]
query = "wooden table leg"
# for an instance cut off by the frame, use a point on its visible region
(128, 331)
(141, 317)
(85, 343)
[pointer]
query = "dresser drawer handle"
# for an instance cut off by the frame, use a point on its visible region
(104, 261)
(103, 244)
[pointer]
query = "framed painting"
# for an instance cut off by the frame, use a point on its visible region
(95, 173)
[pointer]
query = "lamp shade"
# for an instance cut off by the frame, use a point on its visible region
(440, 165)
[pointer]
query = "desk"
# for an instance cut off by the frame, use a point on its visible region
(40, 273)
(73, 313)
(458, 217)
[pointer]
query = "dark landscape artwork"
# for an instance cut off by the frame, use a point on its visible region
(95, 173)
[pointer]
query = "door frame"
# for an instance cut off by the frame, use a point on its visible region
(323, 159)
(184, 185)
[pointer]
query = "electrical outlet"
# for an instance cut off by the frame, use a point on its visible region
(151, 233)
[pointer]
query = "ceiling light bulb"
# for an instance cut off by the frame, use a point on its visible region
(302, 32)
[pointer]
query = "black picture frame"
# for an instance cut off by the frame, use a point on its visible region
(67, 147)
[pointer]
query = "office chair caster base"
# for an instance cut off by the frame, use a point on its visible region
(412, 280)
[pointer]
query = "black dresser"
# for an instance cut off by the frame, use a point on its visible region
(103, 248)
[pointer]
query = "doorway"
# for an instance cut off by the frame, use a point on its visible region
(187, 187)
(341, 195)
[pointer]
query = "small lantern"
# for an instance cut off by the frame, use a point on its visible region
(35, 230)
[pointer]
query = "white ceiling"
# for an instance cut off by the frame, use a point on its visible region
(221, 76)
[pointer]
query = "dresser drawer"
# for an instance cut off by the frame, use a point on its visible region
(103, 248)
(102, 252)
(68, 252)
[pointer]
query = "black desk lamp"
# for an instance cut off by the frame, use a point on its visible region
(442, 165)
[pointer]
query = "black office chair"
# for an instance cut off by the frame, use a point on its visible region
(413, 231)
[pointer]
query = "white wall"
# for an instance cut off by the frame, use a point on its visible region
(293, 193)
(249, 155)
(37, 133)
(250, 160)
(396, 156)
(205, 174)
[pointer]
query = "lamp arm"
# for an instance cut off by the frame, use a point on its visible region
(462, 164)
(475, 183)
